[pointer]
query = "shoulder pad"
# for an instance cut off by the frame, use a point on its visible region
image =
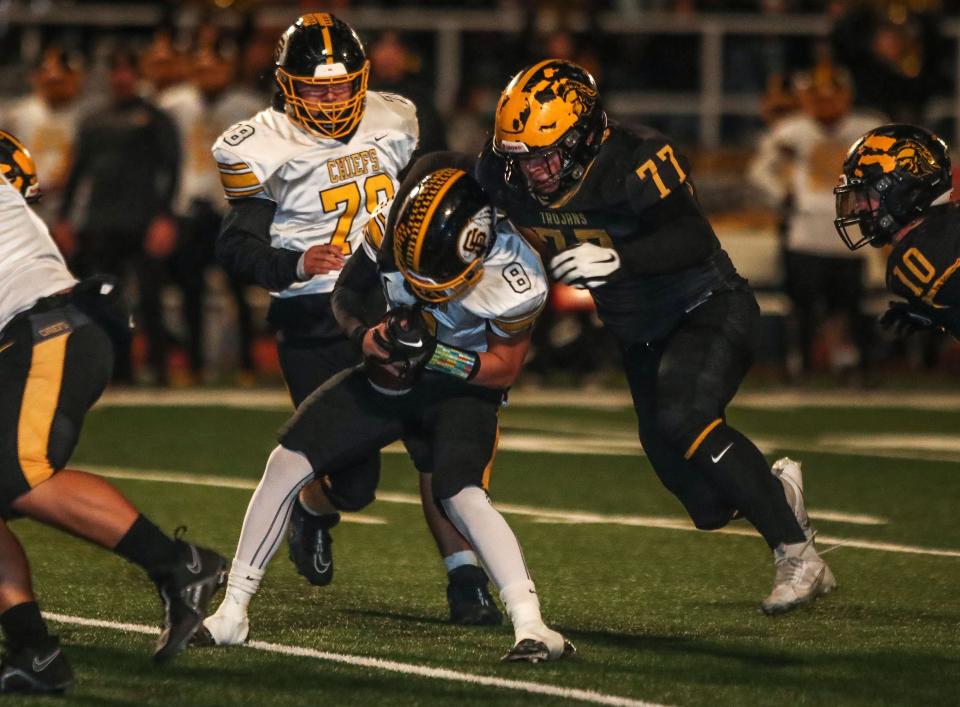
(514, 287)
(249, 152)
(391, 111)
(657, 171)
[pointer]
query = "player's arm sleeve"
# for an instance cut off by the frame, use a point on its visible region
(672, 235)
(243, 246)
(358, 278)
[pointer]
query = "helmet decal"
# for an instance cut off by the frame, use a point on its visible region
(472, 243)
(890, 154)
(18, 167)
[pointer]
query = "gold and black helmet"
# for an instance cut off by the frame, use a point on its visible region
(18, 167)
(890, 176)
(549, 111)
(443, 231)
(318, 52)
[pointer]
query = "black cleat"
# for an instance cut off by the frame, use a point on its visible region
(310, 544)
(38, 670)
(186, 592)
(530, 650)
(468, 595)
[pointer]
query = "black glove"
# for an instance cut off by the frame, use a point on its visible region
(906, 318)
(408, 339)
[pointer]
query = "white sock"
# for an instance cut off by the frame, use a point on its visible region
(459, 559)
(496, 545)
(523, 606)
(242, 584)
(270, 506)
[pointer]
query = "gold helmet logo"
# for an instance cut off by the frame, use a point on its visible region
(18, 167)
(890, 154)
(539, 107)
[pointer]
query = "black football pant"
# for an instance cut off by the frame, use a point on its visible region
(307, 362)
(681, 386)
(449, 428)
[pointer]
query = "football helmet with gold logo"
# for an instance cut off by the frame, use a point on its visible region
(322, 71)
(444, 229)
(548, 127)
(18, 167)
(890, 175)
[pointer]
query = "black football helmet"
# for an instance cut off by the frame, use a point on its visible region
(17, 165)
(549, 114)
(890, 175)
(318, 52)
(444, 230)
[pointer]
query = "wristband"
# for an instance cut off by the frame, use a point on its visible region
(454, 362)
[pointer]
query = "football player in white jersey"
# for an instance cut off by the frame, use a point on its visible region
(55, 360)
(302, 179)
(463, 291)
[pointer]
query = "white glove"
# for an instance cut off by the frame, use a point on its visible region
(585, 266)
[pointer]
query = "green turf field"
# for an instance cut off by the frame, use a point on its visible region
(659, 614)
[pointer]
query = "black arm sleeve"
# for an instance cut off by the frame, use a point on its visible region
(672, 236)
(243, 247)
(351, 295)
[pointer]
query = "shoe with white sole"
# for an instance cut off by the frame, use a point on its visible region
(229, 626)
(801, 577)
(538, 643)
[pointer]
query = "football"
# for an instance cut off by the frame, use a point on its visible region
(391, 378)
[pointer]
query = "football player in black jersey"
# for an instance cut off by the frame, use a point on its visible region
(894, 191)
(614, 211)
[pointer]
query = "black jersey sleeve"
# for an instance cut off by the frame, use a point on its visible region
(657, 172)
(359, 280)
(243, 246)
(671, 235)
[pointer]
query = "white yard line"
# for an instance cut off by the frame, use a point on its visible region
(278, 398)
(546, 515)
(533, 688)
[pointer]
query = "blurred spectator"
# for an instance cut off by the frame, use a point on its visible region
(46, 121)
(893, 54)
(122, 182)
(163, 64)
(393, 68)
(796, 168)
(202, 109)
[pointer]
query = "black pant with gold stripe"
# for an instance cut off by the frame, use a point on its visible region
(54, 364)
(449, 428)
(681, 386)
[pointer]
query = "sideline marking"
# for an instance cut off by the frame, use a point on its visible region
(539, 514)
(392, 666)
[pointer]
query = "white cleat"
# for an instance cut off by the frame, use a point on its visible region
(229, 626)
(791, 476)
(538, 643)
(801, 577)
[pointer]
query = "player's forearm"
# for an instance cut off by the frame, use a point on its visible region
(243, 246)
(497, 367)
(496, 372)
(358, 278)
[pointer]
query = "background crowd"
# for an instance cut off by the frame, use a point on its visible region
(120, 114)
